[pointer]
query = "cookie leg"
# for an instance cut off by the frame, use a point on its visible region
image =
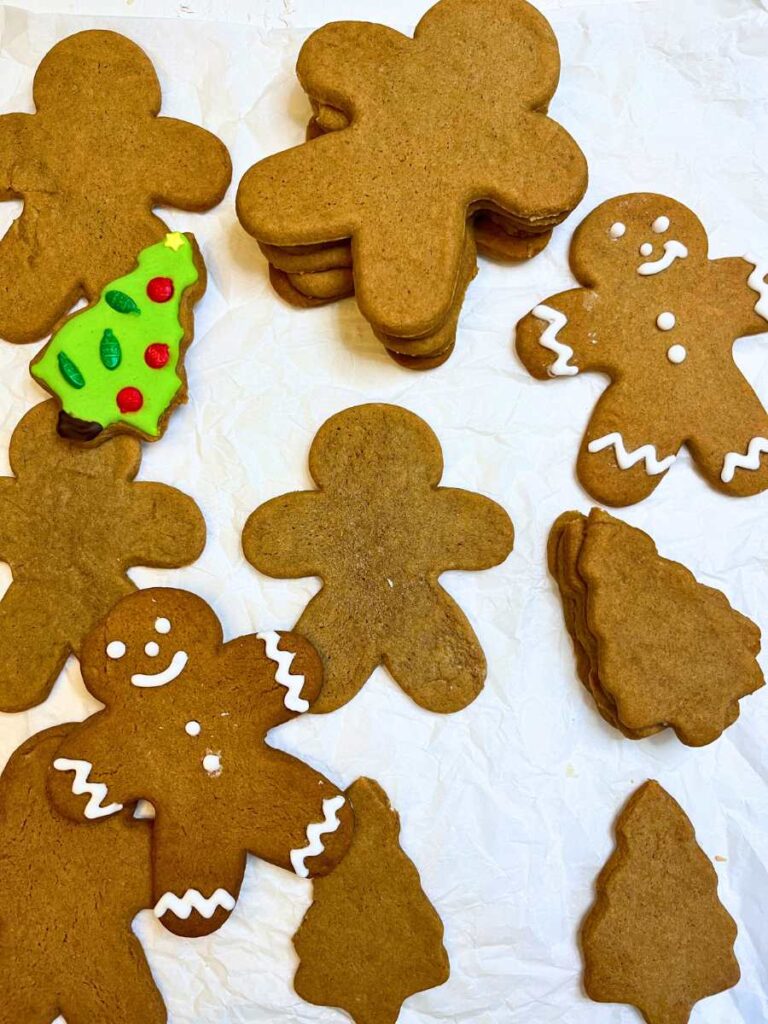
(624, 455)
(33, 647)
(115, 987)
(433, 653)
(24, 1002)
(733, 455)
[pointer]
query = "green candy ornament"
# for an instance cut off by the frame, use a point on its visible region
(116, 366)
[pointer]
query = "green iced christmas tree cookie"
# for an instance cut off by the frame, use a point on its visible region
(117, 365)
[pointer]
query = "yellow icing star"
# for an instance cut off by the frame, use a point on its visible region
(174, 240)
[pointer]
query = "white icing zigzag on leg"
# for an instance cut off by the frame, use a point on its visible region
(750, 460)
(314, 831)
(193, 899)
(645, 453)
(556, 321)
(97, 791)
(757, 283)
(292, 683)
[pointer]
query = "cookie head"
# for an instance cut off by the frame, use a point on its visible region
(634, 237)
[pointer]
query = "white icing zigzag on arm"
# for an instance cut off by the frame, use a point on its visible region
(556, 321)
(292, 683)
(750, 460)
(757, 283)
(193, 899)
(645, 453)
(97, 791)
(672, 250)
(314, 831)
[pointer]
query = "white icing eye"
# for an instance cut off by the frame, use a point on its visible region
(617, 229)
(192, 728)
(646, 249)
(212, 763)
(152, 649)
(676, 354)
(115, 649)
(660, 225)
(666, 321)
(162, 625)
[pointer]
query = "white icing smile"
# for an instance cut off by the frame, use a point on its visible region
(673, 250)
(627, 459)
(97, 791)
(316, 829)
(193, 900)
(167, 675)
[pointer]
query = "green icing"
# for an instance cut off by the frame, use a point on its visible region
(99, 351)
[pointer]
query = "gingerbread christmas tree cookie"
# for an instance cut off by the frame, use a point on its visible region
(371, 938)
(68, 895)
(660, 318)
(379, 531)
(657, 936)
(654, 647)
(90, 164)
(117, 366)
(72, 521)
(184, 728)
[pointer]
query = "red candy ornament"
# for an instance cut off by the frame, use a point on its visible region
(160, 289)
(129, 400)
(157, 355)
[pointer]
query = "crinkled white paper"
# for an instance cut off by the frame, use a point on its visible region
(507, 807)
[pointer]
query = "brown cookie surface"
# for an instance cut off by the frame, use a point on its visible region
(68, 896)
(657, 935)
(660, 318)
(371, 938)
(90, 165)
(184, 727)
(72, 521)
(654, 647)
(379, 531)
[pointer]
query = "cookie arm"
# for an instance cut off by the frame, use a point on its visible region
(742, 292)
(90, 776)
(286, 537)
(469, 531)
(159, 526)
(14, 132)
(190, 167)
(558, 337)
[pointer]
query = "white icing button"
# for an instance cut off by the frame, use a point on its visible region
(115, 649)
(162, 625)
(212, 763)
(646, 249)
(665, 321)
(660, 225)
(152, 649)
(618, 229)
(192, 728)
(676, 354)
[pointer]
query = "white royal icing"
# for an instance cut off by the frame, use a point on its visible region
(115, 649)
(677, 354)
(152, 649)
(646, 249)
(316, 829)
(167, 675)
(618, 229)
(555, 321)
(144, 811)
(750, 460)
(283, 675)
(666, 321)
(673, 250)
(757, 283)
(162, 625)
(626, 460)
(192, 728)
(193, 899)
(212, 764)
(97, 791)
(660, 225)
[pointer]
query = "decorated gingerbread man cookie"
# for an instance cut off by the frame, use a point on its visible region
(659, 318)
(90, 165)
(72, 521)
(68, 894)
(184, 728)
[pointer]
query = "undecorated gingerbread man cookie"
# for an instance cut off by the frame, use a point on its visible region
(184, 728)
(660, 318)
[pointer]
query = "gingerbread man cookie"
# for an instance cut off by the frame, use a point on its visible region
(380, 531)
(68, 895)
(184, 727)
(72, 520)
(659, 318)
(90, 165)
(441, 125)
